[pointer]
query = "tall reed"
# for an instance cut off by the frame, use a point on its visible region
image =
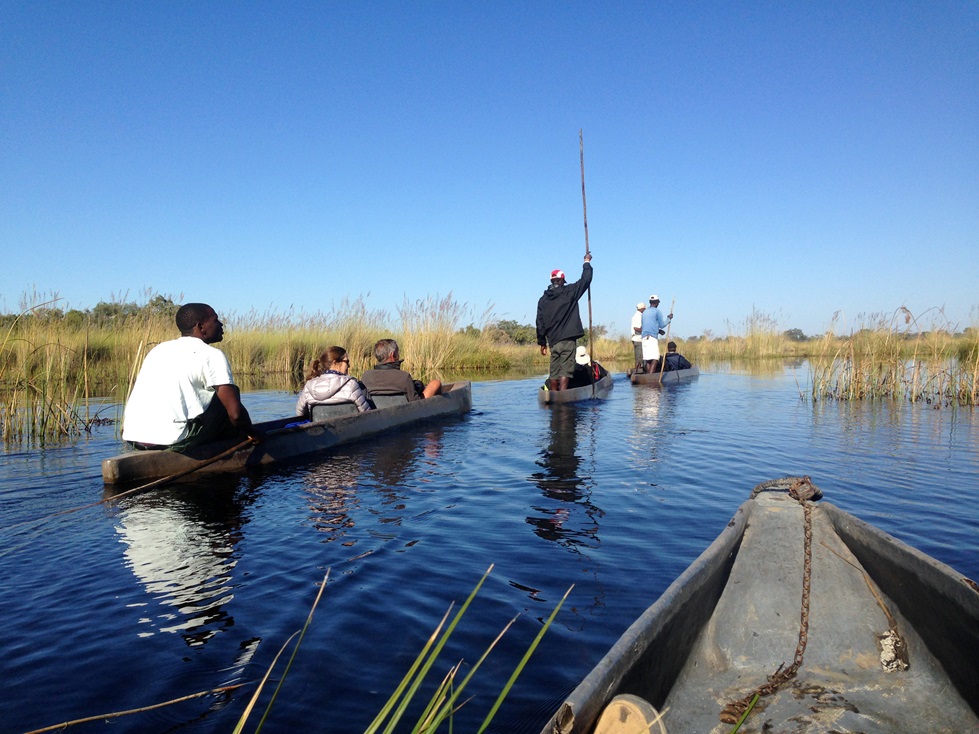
(894, 358)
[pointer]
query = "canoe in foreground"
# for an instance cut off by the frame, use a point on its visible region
(663, 378)
(598, 389)
(733, 617)
(282, 443)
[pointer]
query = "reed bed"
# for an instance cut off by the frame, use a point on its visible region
(53, 363)
(894, 359)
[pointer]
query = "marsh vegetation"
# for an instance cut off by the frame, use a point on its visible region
(61, 372)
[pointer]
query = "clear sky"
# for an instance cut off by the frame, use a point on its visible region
(794, 158)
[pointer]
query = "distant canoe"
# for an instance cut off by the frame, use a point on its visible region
(892, 635)
(663, 378)
(598, 389)
(283, 444)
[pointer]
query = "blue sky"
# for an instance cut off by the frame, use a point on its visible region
(792, 158)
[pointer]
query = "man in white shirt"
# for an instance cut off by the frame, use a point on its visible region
(637, 336)
(173, 404)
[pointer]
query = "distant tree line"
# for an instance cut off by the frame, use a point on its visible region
(103, 315)
(508, 331)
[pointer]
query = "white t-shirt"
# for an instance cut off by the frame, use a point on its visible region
(175, 384)
(637, 324)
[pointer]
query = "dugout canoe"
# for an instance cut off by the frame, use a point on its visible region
(892, 636)
(663, 378)
(282, 443)
(598, 389)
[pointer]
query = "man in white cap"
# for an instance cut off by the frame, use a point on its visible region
(637, 335)
(559, 324)
(653, 324)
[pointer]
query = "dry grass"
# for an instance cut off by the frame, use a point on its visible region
(50, 368)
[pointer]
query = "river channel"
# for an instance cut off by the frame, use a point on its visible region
(188, 588)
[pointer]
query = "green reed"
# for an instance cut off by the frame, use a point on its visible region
(892, 358)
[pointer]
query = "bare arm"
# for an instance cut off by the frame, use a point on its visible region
(230, 397)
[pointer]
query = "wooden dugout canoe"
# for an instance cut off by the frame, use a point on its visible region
(283, 444)
(663, 378)
(733, 617)
(599, 389)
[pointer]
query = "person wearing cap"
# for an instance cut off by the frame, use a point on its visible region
(674, 360)
(637, 335)
(559, 323)
(653, 324)
(387, 377)
(585, 370)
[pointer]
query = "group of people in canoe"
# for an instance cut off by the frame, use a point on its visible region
(185, 394)
(559, 328)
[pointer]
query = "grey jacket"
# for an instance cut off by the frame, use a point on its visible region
(331, 388)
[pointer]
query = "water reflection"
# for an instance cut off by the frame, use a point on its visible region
(181, 545)
(571, 519)
(389, 466)
(331, 496)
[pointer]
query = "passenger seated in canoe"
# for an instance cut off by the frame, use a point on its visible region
(184, 394)
(329, 382)
(387, 377)
(674, 360)
(585, 371)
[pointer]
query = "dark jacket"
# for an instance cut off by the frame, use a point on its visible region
(389, 379)
(557, 311)
(676, 361)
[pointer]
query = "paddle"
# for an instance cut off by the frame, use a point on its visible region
(143, 487)
(662, 362)
(584, 210)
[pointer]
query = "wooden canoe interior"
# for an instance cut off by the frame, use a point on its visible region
(733, 618)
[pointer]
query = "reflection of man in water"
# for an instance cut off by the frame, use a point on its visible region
(561, 481)
(180, 544)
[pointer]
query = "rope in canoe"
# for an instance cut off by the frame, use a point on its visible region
(802, 490)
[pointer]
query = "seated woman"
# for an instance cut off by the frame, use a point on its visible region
(329, 382)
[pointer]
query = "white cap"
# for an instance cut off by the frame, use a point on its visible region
(654, 297)
(581, 355)
(640, 306)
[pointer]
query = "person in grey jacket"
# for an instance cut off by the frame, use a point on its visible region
(329, 382)
(559, 324)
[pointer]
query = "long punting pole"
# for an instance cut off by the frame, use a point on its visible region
(584, 209)
(662, 362)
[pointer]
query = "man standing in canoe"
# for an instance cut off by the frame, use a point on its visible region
(637, 336)
(559, 324)
(184, 395)
(653, 324)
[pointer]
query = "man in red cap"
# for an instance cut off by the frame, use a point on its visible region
(559, 324)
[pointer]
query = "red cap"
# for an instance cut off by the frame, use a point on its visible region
(557, 274)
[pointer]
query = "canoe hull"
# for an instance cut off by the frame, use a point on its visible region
(733, 616)
(285, 444)
(663, 378)
(599, 390)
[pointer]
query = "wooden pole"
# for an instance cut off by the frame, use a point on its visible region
(662, 362)
(584, 210)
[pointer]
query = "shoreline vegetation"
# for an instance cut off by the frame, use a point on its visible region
(63, 372)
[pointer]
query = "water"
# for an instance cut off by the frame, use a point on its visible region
(187, 589)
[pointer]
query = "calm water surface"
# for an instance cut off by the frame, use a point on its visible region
(180, 590)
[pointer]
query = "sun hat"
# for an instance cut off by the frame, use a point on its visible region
(581, 355)
(640, 306)
(557, 274)
(654, 297)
